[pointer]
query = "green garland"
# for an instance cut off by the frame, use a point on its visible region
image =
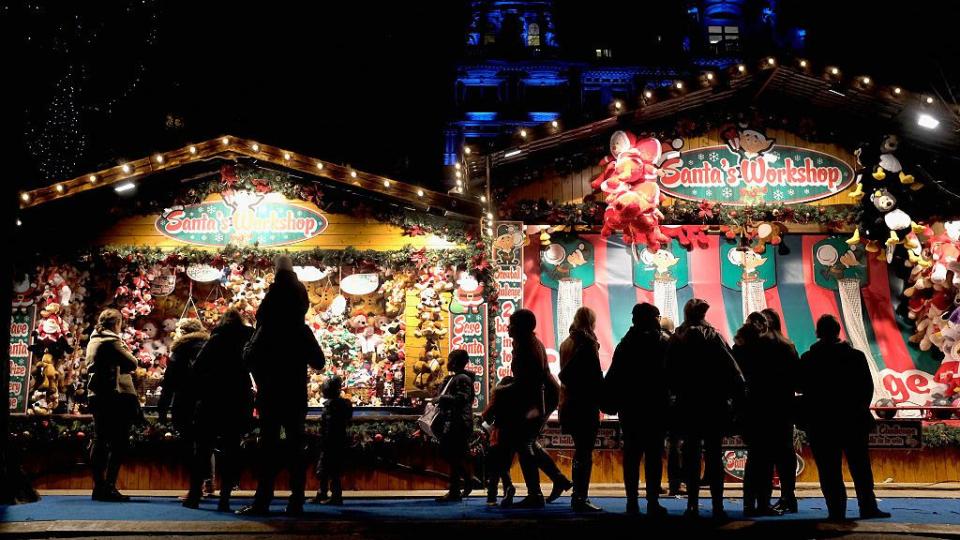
(590, 213)
(364, 434)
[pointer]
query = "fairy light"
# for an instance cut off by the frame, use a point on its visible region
(92, 178)
(25, 197)
(466, 150)
(555, 124)
(459, 183)
(286, 156)
(353, 174)
(225, 141)
(459, 174)
(256, 147)
(126, 168)
(709, 76)
(319, 165)
(929, 100)
(483, 198)
(386, 183)
(866, 80)
(803, 63)
(158, 158)
(897, 90)
(19, 223)
(617, 105)
(741, 68)
(647, 94)
(679, 85)
(419, 193)
(771, 61)
(489, 215)
(834, 71)
(59, 188)
(523, 133)
(193, 149)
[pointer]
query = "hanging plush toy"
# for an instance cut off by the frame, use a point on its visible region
(884, 190)
(629, 180)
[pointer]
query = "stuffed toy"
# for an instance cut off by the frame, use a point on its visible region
(24, 290)
(629, 181)
(469, 292)
(769, 233)
(945, 252)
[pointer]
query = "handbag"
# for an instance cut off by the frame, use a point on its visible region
(432, 417)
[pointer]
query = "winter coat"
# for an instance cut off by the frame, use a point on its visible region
(179, 394)
(769, 368)
(704, 377)
(225, 390)
(636, 384)
(285, 303)
(110, 365)
(282, 347)
(537, 390)
(498, 411)
(581, 380)
(825, 408)
(456, 403)
(334, 419)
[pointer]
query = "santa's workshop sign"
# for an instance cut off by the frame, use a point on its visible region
(752, 169)
(241, 218)
(21, 323)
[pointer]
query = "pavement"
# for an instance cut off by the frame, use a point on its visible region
(416, 515)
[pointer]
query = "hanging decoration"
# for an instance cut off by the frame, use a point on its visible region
(629, 182)
(567, 256)
(432, 281)
(359, 284)
(203, 273)
(886, 195)
(309, 274)
(569, 300)
(664, 272)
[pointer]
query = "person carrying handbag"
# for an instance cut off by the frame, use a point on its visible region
(456, 422)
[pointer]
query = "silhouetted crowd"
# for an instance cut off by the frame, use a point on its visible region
(686, 387)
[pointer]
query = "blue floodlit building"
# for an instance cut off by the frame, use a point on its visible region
(516, 75)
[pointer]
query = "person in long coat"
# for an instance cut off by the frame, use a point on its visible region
(179, 393)
(769, 369)
(113, 401)
(581, 391)
(708, 386)
(784, 456)
(839, 423)
(224, 404)
(456, 405)
(637, 391)
(535, 395)
(278, 354)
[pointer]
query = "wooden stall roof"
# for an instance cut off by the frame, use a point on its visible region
(857, 97)
(229, 147)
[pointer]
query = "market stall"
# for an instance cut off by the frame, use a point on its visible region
(395, 276)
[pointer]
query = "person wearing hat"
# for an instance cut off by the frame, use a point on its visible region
(708, 385)
(636, 389)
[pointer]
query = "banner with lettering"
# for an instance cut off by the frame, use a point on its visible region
(752, 169)
(468, 331)
(508, 279)
(242, 218)
(21, 323)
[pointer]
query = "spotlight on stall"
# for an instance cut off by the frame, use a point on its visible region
(927, 121)
(125, 187)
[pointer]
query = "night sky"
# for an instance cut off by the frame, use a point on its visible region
(359, 82)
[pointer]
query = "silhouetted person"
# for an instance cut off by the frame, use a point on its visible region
(179, 396)
(784, 456)
(708, 384)
(839, 423)
(224, 404)
(336, 415)
(581, 390)
(769, 369)
(456, 406)
(536, 395)
(674, 468)
(636, 388)
(278, 354)
(499, 454)
(113, 401)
